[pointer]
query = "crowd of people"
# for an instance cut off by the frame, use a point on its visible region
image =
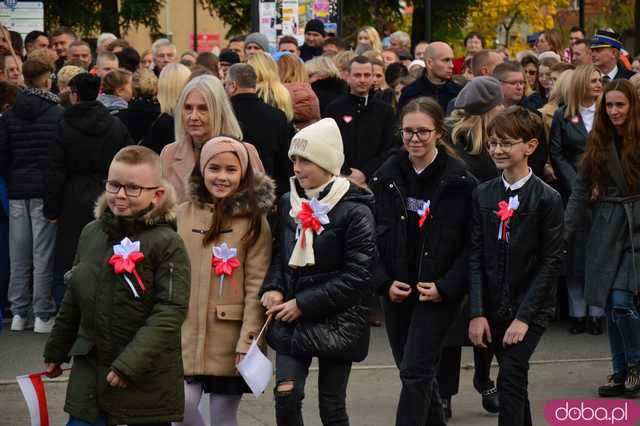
(157, 208)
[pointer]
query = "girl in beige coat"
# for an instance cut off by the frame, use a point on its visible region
(228, 239)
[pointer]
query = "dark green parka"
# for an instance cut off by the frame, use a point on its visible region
(104, 327)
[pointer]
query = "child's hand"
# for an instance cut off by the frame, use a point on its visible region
(399, 291)
(478, 330)
(271, 298)
(53, 369)
(287, 312)
(428, 293)
(116, 381)
(515, 333)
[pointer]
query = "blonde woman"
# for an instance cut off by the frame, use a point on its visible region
(306, 107)
(203, 112)
(270, 88)
(173, 78)
(557, 97)
(570, 130)
(325, 80)
(369, 35)
(144, 108)
(469, 133)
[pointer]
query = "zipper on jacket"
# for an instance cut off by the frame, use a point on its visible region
(170, 280)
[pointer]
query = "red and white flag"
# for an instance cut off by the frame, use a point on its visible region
(33, 391)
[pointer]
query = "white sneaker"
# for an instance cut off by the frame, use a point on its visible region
(42, 326)
(19, 323)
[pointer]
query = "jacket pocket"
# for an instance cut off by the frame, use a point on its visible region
(230, 312)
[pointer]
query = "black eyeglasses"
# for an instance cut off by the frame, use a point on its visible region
(505, 146)
(422, 133)
(130, 190)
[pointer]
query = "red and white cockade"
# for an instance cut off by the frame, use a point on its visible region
(224, 261)
(313, 215)
(424, 211)
(505, 212)
(125, 257)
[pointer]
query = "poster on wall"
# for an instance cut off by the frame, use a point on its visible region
(289, 17)
(268, 18)
(23, 16)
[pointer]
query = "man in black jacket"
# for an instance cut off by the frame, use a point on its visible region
(515, 259)
(366, 124)
(26, 131)
(262, 125)
(436, 80)
(313, 40)
(86, 140)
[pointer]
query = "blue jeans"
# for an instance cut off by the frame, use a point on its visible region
(623, 324)
(73, 421)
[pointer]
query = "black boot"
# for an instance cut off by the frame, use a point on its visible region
(594, 326)
(490, 400)
(578, 325)
(614, 387)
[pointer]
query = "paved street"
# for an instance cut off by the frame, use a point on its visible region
(565, 366)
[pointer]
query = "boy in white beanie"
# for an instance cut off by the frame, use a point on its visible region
(319, 279)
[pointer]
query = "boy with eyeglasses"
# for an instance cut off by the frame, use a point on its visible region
(125, 303)
(516, 253)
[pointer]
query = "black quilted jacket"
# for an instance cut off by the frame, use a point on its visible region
(26, 131)
(340, 281)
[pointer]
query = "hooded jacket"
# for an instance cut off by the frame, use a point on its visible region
(218, 326)
(26, 131)
(306, 107)
(104, 327)
(84, 143)
(335, 290)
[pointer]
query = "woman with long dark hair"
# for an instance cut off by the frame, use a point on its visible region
(609, 186)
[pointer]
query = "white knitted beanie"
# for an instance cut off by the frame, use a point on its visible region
(320, 143)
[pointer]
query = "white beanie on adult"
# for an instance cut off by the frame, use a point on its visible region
(320, 143)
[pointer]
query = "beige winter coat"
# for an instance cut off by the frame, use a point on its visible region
(218, 327)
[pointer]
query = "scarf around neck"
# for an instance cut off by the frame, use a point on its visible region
(310, 215)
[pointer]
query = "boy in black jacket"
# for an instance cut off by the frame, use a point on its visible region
(516, 253)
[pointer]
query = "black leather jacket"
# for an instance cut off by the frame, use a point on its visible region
(340, 281)
(528, 265)
(443, 257)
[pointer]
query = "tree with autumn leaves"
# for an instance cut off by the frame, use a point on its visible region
(500, 19)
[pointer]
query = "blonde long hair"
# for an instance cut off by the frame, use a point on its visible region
(374, 37)
(270, 88)
(474, 128)
(578, 89)
(223, 120)
(173, 78)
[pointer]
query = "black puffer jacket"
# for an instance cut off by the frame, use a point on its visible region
(443, 257)
(333, 292)
(516, 280)
(86, 141)
(26, 131)
(424, 87)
